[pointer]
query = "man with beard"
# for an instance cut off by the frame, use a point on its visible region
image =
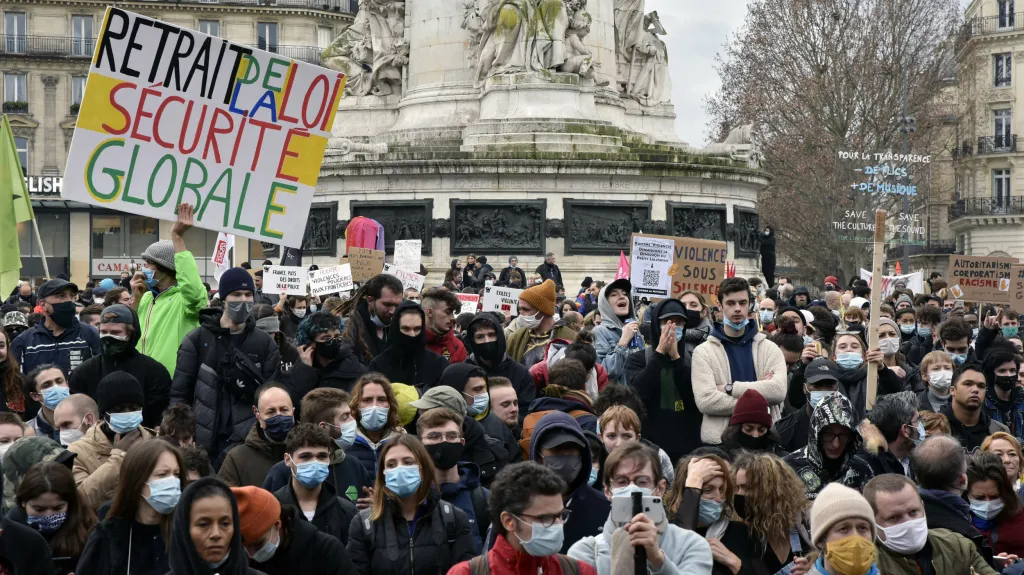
(968, 422)
(440, 305)
(892, 430)
(485, 342)
(60, 339)
(407, 359)
(369, 315)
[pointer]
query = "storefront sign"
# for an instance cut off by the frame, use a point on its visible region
(103, 267)
(44, 185)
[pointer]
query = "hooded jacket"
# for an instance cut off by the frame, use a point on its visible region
(407, 360)
(692, 337)
(566, 401)
(801, 290)
(184, 559)
(446, 345)
(38, 346)
(361, 332)
(97, 464)
(809, 463)
(114, 540)
(971, 437)
(686, 552)
(610, 354)
(341, 373)
(308, 551)
(199, 379)
(588, 507)
(503, 559)
(155, 381)
(501, 365)
(466, 494)
(24, 549)
(168, 318)
(290, 322)
(250, 462)
(495, 430)
(333, 513)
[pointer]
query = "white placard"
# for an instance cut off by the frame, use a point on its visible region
(914, 282)
(407, 254)
(409, 279)
(470, 301)
(334, 279)
(502, 299)
(649, 272)
(289, 280)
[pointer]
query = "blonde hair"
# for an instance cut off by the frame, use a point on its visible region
(674, 497)
(987, 445)
(775, 494)
(623, 418)
(934, 423)
(933, 357)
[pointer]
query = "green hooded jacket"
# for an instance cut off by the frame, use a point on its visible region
(167, 318)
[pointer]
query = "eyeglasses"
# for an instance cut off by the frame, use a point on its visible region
(548, 520)
(643, 481)
(437, 436)
(829, 437)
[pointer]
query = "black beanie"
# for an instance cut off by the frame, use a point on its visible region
(118, 388)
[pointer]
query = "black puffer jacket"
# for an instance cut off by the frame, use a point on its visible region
(307, 551)
(407, 360)
(200, 379)
(333, 513)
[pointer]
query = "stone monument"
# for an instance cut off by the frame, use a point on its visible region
(521, 127)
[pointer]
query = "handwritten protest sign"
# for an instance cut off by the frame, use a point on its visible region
(470, 301)
(407, 254)
(365, 263)
(501, 299)
(171, 115)
(334, 279)
(982, 279)
(409, 279)
(914, 281)
(651, 260)
(697, 265)
(289, 280)
(1017, 288)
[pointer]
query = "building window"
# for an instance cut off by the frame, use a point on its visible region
(77, 89)
(21, 144)
(1003, 129)
(81, 36)
(1006, 13)
(15, 88)
(1004, 66)
(211, 27)
(266, 36)
(120, 237)
(1001, 188)
(324, 36)
(201, 242)
(16, 30)
(54, 229)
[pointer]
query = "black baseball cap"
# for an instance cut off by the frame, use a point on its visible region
(821, 369)
(53, 286)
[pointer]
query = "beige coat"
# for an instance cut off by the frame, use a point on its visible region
(710, 374)
(98, 465)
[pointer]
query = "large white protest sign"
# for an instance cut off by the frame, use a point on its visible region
(649, 272)
(409, 279)
(501, 299)
(407, 254)
(470, 301)
(172, 116)
(914, 281)
(335, 279)
(289, 280)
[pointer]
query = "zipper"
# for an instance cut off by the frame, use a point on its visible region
(412, 554)
(145, 335)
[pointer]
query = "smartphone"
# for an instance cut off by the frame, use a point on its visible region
(622, 509)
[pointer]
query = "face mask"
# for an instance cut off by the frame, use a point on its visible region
(489, 351)
(3, 449)
(403, 480)
(739, 505)
(125, 422)
(47, 524)
(593, 476)
(277, 427)
(679, 333)
(311, 473)
(376, 320)
(53, 395)
(853, 555)
(238, 311)
(710, 511)
(808, 340)
(631, 488)
(924, 331)
(266, 553)
(164, 494)
(940, 380)
(479, 405)
(752, 443)
(348, 435)
(565, 466)
(69, 436)
(151, 280)
(889, 345)
(734, 326)
(63, 313)
(817, 396)
(766, 316)
(921, 432)
(312, 309)
(530, 321)
(1005, 382)
(114, 345)
(299, 313)
(1010, 331)
(446, 454)
(986, 509)
(974, 333)
(545, 541)
(958, 358)
(850, 360)
(908, 328)
(373, 418)
(328, 351)
(906, 538)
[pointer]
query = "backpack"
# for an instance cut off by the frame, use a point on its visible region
(480, 565)
(482, 511)
(447, 512)
(531, 421)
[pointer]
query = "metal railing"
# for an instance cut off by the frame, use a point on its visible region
(1013, 206)
(962, 150)
(309, 54)
(65, 46)
(997, 144)
(937, 247)
(996, 24)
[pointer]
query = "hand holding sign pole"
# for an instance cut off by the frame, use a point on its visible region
(877, 270)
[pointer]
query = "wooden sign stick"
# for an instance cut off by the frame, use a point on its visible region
(877, 264)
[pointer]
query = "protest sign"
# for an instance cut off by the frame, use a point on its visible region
(914, 281)
(1017, 288)
(171, 116)
(982, 279)
(409, 279)
(334, 279)
(501, 299)
(697, 265)
(652, 259)
(407, 254)
(289, 280)
(470, 301)
(365, 263)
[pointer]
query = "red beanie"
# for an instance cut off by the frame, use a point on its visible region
(832, 280)
(751, 407)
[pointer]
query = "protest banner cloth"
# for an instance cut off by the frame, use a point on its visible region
(1017, 288)
(365, 263)
(501, 299)
(335, 279)
(285, 279)
(172, 116)
(224, 244)
(470, 301)
(409, 279)
(980, 279)
(697, 265)
(914, 281)
(407, 254)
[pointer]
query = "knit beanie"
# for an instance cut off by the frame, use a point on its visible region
(118, 388)
(835, 503)
(161, 253)
(904, 298)
(235, 279)
(886, 321)
(258, 510)
(832, 280)
(751, 407)
(541, 297)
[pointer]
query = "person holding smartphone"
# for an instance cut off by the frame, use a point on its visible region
(634, 467)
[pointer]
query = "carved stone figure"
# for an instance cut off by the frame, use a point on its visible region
(738, 145)
(373, 50)
(512, 225)
(579, 59)
(649, 81)
(692, 222)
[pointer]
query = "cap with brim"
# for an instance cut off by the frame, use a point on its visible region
(556, 438)
(117, 313)
(54, 286)
(821, 369)
(441, 396)
(15, 318)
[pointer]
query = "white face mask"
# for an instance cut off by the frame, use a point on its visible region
(299, 312)
(3, 449)
(906, 538)
(940, 380)
(69, 436)
(889, 345)
(530, 321)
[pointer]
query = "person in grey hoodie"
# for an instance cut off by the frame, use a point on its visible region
(617, 335)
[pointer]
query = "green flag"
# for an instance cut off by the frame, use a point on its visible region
(15, 206)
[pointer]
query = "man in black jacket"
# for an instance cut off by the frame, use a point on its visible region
(485, 344)
(222, 363)
(370, 316)
(549, 271)
(407, 359)
(968, 422)
(471, 381)
(119, 334)
(892, 429)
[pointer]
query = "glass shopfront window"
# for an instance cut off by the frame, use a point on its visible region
(201, 242)
(118, 241)
(54, 229)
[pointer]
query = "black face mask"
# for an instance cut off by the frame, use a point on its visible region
(739, 505)
(565, 466)
(751, 443)
(445, 455)
(113, 347)
(63, 313)
(692, 318)
(489, 352)
(409, 345)
(328, 349)
(1005, 382)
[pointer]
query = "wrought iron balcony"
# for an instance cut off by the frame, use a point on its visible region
(309, 54)
(62, 46)
(938, 247)
(962, 150)
(997, 24)
(15, 107)
(347, 6)
(1012, 206)
(997, 144)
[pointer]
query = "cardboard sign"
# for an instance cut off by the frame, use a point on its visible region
(365, 263)
(289, 280)
(470, 301)
(171, 116)
(978, 278)
(409, 279)
(1017, 288)
(697, 265)
(649, 273)
(407, 254)
(914, 281)
(334, 279)
(501, 299)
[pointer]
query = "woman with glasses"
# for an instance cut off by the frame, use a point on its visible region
(325, 359)
(408, 529)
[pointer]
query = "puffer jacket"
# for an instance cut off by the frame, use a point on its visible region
(951, 553)
(610, 354)
(97, 466)
(809, 462)
(249, 463)
(333, 513)
(168, 318)
(198, 379)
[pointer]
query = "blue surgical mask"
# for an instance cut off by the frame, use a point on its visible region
(920, 433)
(735, 326)
(958, 358)
(593, 476)
(47, 524)
(679, 333)
(373, 418)
(908, 328)
(924, 331)
(766, 315)
(710, 511)
(403, 480)
(974, 333)
(266, 553)
(544, 541)
(53, 395)
(151, 280)
(817, 396)
(1010, 331)
(348, 435)
(479, 405)
(987, 509)
(164, 494)
(311, 473)
(124, 422)
(849, 360)
(808, 340)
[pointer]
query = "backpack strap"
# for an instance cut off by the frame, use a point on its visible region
(479, 565)
(448, 518)
(448, 522)
(364, 518)
(569, 565)
(481, 510)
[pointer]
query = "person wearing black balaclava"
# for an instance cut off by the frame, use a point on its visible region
(767, 241)
(1004, 401)
(60, 339)
(485, 343)
(325, 358)
(407, 359)
(206, 536)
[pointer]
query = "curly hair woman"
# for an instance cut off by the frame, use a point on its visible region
(770, 499)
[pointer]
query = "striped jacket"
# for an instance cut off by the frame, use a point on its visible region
(38, 346)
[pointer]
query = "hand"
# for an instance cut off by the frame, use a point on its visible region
(185, 221)
(875, 356)
(508, 316)
(800, 566)
(123, 442)
(628, 331)
(365, 502)
(643, 533)
(702, 471)
(306, 354)
(282, 297)
(722, 555)
(810, 352)
(1006, 558)
(898, 371)
(993, 321)
(668, 344)
(138, 282)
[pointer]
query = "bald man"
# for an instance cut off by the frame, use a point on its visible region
(573, 320)
(74, 415)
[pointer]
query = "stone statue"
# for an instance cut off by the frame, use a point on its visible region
(579, 59)
(373, 50)
(641, 55)
(738, 145)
